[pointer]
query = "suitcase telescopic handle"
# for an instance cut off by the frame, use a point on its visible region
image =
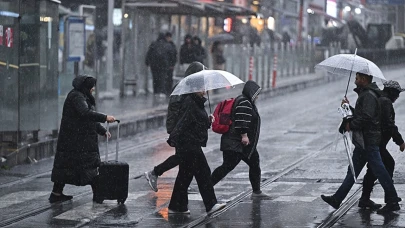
(118, 137)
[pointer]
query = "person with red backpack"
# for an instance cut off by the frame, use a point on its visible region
(173, 115)
(240, 141)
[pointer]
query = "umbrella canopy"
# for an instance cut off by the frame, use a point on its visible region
(206, 80)
(344, 64)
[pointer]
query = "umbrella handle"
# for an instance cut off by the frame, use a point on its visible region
(209, 103)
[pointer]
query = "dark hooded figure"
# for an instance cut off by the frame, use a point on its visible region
(77, 155)
(187, 51)
(240, 142)
(188, 136)
(200, 52)
(158, 57)
(389, 130)
(173, 116)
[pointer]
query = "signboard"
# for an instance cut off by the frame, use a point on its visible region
(76, 39)
(9, 37)
(1, 35)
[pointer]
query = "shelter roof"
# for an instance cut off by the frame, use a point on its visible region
(189, 7)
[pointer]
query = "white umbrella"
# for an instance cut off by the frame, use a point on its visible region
(206, 80)
(345, 64)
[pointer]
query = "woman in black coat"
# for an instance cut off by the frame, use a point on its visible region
(240, 142)
(189, 135)
(77, 155)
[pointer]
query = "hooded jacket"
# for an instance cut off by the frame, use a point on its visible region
(191, 131)
(365, 123)
(245, 119)
(187, 51)
(77, 154)
(160, 54)
(388, 127)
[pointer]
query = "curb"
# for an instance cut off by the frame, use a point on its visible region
(44, 149)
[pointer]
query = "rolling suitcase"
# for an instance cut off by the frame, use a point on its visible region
(112, 183)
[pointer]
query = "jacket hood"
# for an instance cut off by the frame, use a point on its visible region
(195, 67)
(251, 90)
(79, 81)
(188, 36)
(161, 36)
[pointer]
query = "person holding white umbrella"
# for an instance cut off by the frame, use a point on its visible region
(365, 126)
(188, 136)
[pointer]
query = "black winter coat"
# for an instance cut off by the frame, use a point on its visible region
(388, 127)
(160, 55)
(77, 154)
(245, 119)
(366, 116)
(191, 130)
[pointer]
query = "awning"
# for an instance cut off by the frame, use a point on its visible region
(189, 7)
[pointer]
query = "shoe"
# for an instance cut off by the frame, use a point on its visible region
(178, 212)
(331, 201)
(54, 198)
(369, 204)
(216, 207)
(260, 195)
(389, 207)
(152, 180)
(191, 190)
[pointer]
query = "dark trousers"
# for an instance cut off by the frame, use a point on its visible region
(389, 163)
(159, 79)
(370, 155)
(231, 159)
(168, 164)
(169, 82)
(192, 164)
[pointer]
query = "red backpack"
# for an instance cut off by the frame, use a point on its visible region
(222, 115)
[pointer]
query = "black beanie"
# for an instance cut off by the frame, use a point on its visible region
(195, 67)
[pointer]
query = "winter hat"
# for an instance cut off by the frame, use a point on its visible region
(393, 85)
(89, 83)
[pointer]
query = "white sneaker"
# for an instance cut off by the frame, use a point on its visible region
(216, 207)
(178, 212)
(152, 180)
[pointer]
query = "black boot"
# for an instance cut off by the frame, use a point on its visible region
(54, 198)
(368, 203)
(389, 207)
(331, 201)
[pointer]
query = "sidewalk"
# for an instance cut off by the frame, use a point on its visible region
(144, 112)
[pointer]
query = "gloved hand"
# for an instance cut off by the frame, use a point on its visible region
(342, 127)
(171, 142)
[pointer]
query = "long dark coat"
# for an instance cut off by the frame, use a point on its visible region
(246, 119)
(77, 154)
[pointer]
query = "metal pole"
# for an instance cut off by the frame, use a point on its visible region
(110, 38)
(122, 49)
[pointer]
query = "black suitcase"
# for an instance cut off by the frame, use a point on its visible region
(112, 183)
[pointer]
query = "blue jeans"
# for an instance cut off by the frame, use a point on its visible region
(360, 157)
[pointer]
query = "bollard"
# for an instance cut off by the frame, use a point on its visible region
(273, 81)
(251, 68)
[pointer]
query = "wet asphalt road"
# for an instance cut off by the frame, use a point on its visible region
(301, 158)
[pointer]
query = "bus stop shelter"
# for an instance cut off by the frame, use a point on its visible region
(144, 19)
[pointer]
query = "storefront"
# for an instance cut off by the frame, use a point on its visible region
(28, 71)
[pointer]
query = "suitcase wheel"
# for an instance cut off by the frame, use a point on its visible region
(99, 201)
(121, 201)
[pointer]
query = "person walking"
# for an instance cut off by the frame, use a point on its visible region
(217, 52)
(157, 57)
(173, 115)
(365, 125)
(389, 130)
(77, 154)
(188, 136)
(240, 142)
(172, 56)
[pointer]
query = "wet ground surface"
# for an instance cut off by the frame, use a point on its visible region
(301, 159)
